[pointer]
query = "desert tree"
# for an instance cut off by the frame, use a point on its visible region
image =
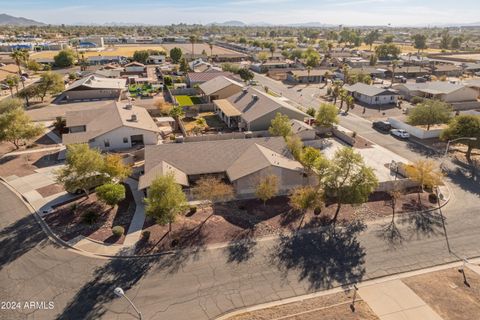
(165, 200)
(267, 188)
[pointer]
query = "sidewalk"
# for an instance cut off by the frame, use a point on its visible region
(394, 300)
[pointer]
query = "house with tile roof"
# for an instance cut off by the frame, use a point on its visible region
(253, 110)
(241, 162)
(115, 126)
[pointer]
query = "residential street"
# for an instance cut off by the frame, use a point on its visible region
(205, 283)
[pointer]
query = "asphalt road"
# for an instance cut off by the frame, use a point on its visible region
(203, 283)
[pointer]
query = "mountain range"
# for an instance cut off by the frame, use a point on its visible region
(6, 19)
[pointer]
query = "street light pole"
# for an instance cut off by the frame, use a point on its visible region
(464, 138)
(120, 293)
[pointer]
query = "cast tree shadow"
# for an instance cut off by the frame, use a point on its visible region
(19, 238)
(241, 247)
(90, 300)
(324, 258)
(423, 224)
(391, 234)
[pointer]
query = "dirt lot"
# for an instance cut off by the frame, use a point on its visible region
(199, 47)
(26, 164)
(41, 141)
(331, 307)
(447, 294)
(248, 219)
(68, 220)
(126, 51)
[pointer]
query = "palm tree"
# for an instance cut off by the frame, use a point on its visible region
(12, 81)
(343, 96)
(272, 49)
(309, 69)
(20, 56)
(210, 44)
(350, 101)
(192, 41)
(394, 66)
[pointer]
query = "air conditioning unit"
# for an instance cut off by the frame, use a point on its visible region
(134, 117)
(128, 106)
(254, 97)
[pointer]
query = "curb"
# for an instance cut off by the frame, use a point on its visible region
(45, 227)
(65, 244)
(341, 288)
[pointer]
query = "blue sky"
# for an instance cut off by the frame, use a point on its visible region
(347, 12)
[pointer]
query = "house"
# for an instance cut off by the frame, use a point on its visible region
(357, 62)
(372, 95)
(112, 127)
(253, 110)
(220, 88)
(156, 59)
(442, 90)
(303, 76)
(95, 60)
(303, 130)
(266, 66)
(407, 71)
(135, 69)
(197, 78)
(474, 84)
(241, 162)
(94, 88)
(449, 70)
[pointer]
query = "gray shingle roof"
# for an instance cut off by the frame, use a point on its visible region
(368, 90)
(218, 83)
(238, 157)
(253, 104)
(106, 119)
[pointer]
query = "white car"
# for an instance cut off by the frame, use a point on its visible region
(402, 134)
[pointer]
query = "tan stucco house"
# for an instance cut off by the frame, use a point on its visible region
(220, 88)
(253, 110)
(94, 88)
(112, 127)
(241, 162)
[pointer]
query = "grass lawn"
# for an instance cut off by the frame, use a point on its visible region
(143, 89)
(187, 100)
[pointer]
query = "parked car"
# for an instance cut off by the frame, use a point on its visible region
(400, 133)
(383, 126)
(400, 79)
(420, 80)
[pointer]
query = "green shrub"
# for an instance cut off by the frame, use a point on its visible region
(416, 100)
(317, 211)
(193, 209)
(90, 217)
(432, 197)
(311, 111)
(118, 231)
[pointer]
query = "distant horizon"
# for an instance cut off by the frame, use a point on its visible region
(394, 13)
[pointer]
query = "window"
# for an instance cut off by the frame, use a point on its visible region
(376, 98)
(106, 143)
(391, 97)
(125, 140)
